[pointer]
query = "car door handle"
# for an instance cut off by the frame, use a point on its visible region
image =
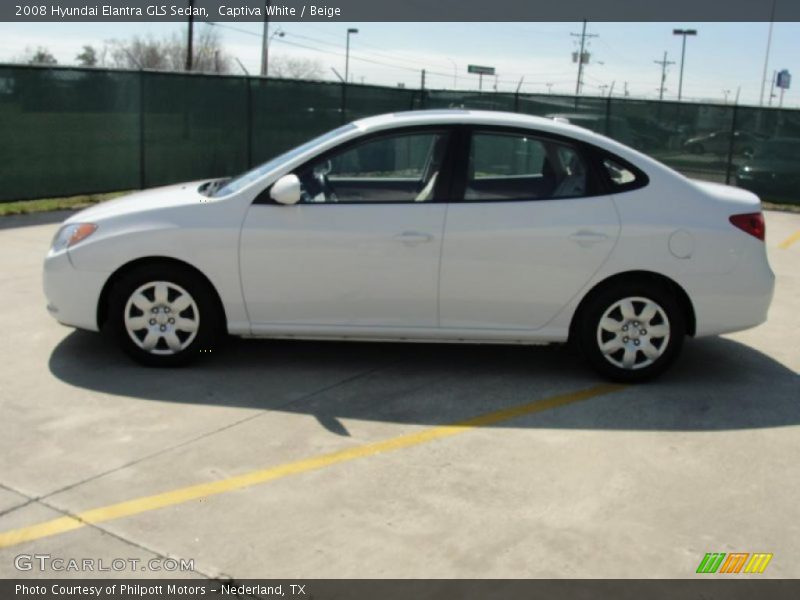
(413, 237)
(587, 238)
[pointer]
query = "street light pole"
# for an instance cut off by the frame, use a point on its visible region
(684, 33)
(350, 31)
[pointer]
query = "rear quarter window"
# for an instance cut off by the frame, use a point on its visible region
(621, 176)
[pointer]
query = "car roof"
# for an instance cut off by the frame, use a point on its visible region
(456, 116)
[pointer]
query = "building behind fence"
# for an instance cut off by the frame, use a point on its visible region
(68, 131)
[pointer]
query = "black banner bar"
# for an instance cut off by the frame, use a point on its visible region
(405, 10)
(711, 587)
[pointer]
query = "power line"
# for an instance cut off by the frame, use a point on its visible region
(356, 56)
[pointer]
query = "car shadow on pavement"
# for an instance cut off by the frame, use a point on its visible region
(717, 383)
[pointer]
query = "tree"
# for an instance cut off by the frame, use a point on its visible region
(41, 56)
(295, 68)
(169, 54)
(87, 58)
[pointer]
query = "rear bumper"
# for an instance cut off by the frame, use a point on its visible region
(737, 300)
(72, 295)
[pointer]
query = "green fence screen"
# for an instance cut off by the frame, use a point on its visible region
(72, 131)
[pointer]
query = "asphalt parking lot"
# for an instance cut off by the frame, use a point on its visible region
(340, 460)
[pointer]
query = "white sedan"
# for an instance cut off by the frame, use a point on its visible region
(443, 225)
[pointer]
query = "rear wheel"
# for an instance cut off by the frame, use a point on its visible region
(164, 315)
(631, 332)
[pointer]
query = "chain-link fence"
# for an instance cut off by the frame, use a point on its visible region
(72, 131)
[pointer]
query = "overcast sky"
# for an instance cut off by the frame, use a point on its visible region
(724, 56)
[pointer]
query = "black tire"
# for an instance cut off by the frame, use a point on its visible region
(205, 311)
(588, 333)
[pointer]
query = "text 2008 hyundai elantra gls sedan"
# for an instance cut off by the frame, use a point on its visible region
(448, 226)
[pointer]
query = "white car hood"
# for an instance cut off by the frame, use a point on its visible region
(180, 194)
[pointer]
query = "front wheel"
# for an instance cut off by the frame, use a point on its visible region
(631, 333)
(164, 315)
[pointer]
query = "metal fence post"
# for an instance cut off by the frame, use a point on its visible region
(142, 164)
(608, 116)
(249, 121)
(344, 102)
(729, 166)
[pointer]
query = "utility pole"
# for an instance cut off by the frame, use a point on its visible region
(265, 42)
(583, 35)
(549, 87)
(455, 73)
(189, 41)
(726, 93)
(422, 83)
(772, 87)
(664, 63)
(625, 90)
(766, 56)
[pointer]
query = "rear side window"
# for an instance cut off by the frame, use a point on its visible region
(511, 166)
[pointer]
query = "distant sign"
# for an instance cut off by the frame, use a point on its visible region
(784, 79)
(480, 70)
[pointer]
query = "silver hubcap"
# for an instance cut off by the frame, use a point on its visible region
(633, 333)
(161, 318)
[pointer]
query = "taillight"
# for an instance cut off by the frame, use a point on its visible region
(752, 223)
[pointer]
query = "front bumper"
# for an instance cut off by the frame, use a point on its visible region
(72, 295)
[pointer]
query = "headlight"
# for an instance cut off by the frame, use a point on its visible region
(71, 234)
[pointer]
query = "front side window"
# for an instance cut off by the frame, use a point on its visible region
(392, 168)
(224, 188)
(510, 166)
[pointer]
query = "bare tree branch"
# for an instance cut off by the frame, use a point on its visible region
(295, 68)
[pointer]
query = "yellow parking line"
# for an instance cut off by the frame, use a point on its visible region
(790, 240)
(203, 490)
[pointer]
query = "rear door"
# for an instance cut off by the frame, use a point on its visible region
(531, 228)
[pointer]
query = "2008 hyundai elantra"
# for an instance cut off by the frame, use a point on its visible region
(448, 226)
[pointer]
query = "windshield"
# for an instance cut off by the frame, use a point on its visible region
(782, 149)
(237, 183)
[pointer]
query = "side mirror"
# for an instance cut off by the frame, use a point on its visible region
(286, 190)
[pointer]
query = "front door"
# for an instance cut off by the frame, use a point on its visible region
(361, 249)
